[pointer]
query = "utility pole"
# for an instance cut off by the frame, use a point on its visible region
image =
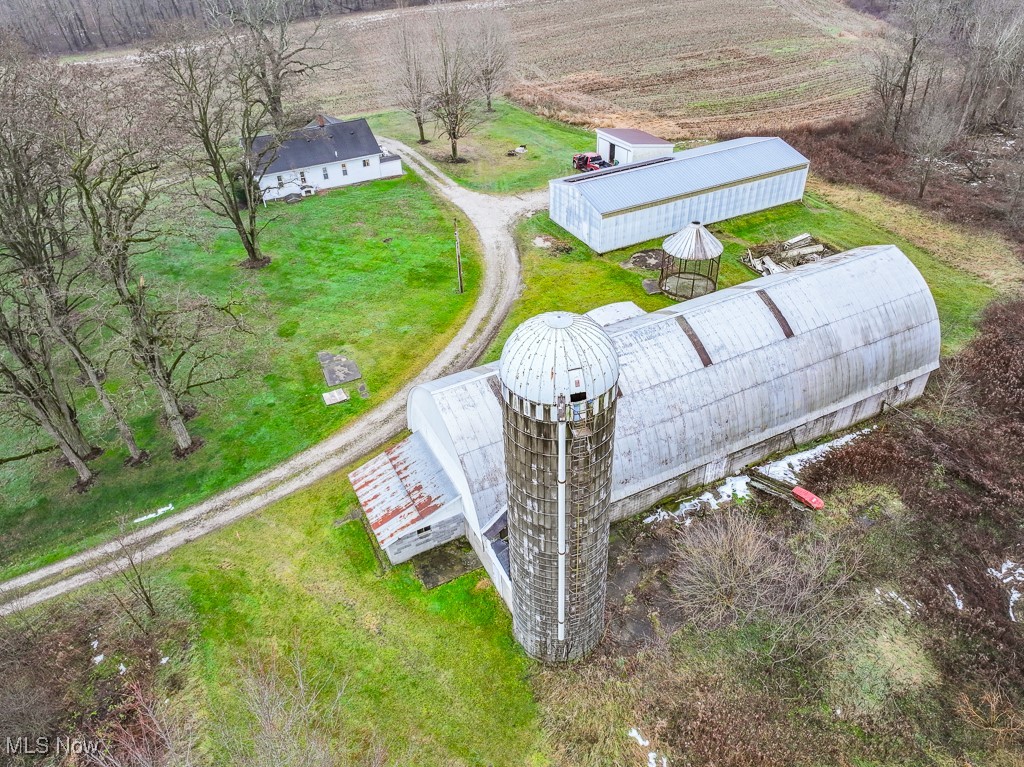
(458, 256)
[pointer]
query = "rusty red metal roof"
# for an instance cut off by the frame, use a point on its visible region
(401, 488)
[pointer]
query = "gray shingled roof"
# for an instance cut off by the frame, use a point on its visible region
(307, 147)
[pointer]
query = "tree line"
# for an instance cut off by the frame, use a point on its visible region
(72, 26)
(97, 175)
(443, 64)
(948, 70)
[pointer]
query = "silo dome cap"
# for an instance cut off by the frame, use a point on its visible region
(693, 243)
(559, 354)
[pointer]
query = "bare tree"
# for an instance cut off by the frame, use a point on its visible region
(453, 96)
(920, 28)
(285, 705)
(215, 100)
(988, 42)
(172, 336)
(128, 579)
(491, 48)
(410, 69)
(32, 384)
(732, 569)
(147, 734)
(262, 34)
(933, 129)
(37, 235)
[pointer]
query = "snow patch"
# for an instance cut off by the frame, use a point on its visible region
(98, 659)
(163, 660)
(956, 597)
(541, 242)
(94, 643)
(1010, 574)
(733, 488)
(737, 487)
(121, 668)
(891, 597)
(634, 733)
(654, 759)
(155, 514)
(786, 469)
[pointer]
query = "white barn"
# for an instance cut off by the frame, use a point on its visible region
(707, 387)
(626, 145)
(616, 207)
(326, 154)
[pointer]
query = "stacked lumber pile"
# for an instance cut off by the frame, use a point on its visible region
(773, 258)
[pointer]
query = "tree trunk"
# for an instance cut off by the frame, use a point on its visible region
(70, 453)
(254, 258)
(924, 179)
(124, 431)
(419, 124)
(57, 325)
(489, 107)
(175, 419)
(455, 151)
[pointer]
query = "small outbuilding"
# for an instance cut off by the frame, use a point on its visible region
(622, 206)
(691, 263)
(325, 154)
(620, 146)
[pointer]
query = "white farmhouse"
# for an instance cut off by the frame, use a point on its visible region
(325, 154)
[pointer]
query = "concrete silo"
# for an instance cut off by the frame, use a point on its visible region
(559, 384)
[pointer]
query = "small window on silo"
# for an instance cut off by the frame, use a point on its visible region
(423, 530)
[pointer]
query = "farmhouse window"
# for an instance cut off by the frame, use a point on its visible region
(326, 176)
(423, 530)
(366, 163)
(280, 181)
(302, 176)
(344, 169)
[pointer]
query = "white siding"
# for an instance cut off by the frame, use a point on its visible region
(612, 231)
(338, 174)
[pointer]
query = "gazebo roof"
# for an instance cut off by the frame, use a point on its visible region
(693, 243)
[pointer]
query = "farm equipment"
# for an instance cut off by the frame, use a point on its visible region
(588, 161)
(792, 493)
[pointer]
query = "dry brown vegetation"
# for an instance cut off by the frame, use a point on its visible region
(967, 189)
(678, 69)
(931, 499)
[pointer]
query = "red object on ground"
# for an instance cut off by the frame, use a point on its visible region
(807, 498)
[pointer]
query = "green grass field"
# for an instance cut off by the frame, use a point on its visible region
(550, 146)
(435, 675)
(580, 280)
(335, 285)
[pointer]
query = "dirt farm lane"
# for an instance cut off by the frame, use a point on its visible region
(494, 218)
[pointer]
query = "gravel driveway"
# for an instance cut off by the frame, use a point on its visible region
(494, 219)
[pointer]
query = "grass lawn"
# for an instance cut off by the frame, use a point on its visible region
(580, 280)
(550, 147)
(334, 284)
(435, 675)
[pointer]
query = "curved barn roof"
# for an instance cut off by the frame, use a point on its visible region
(709, 377)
